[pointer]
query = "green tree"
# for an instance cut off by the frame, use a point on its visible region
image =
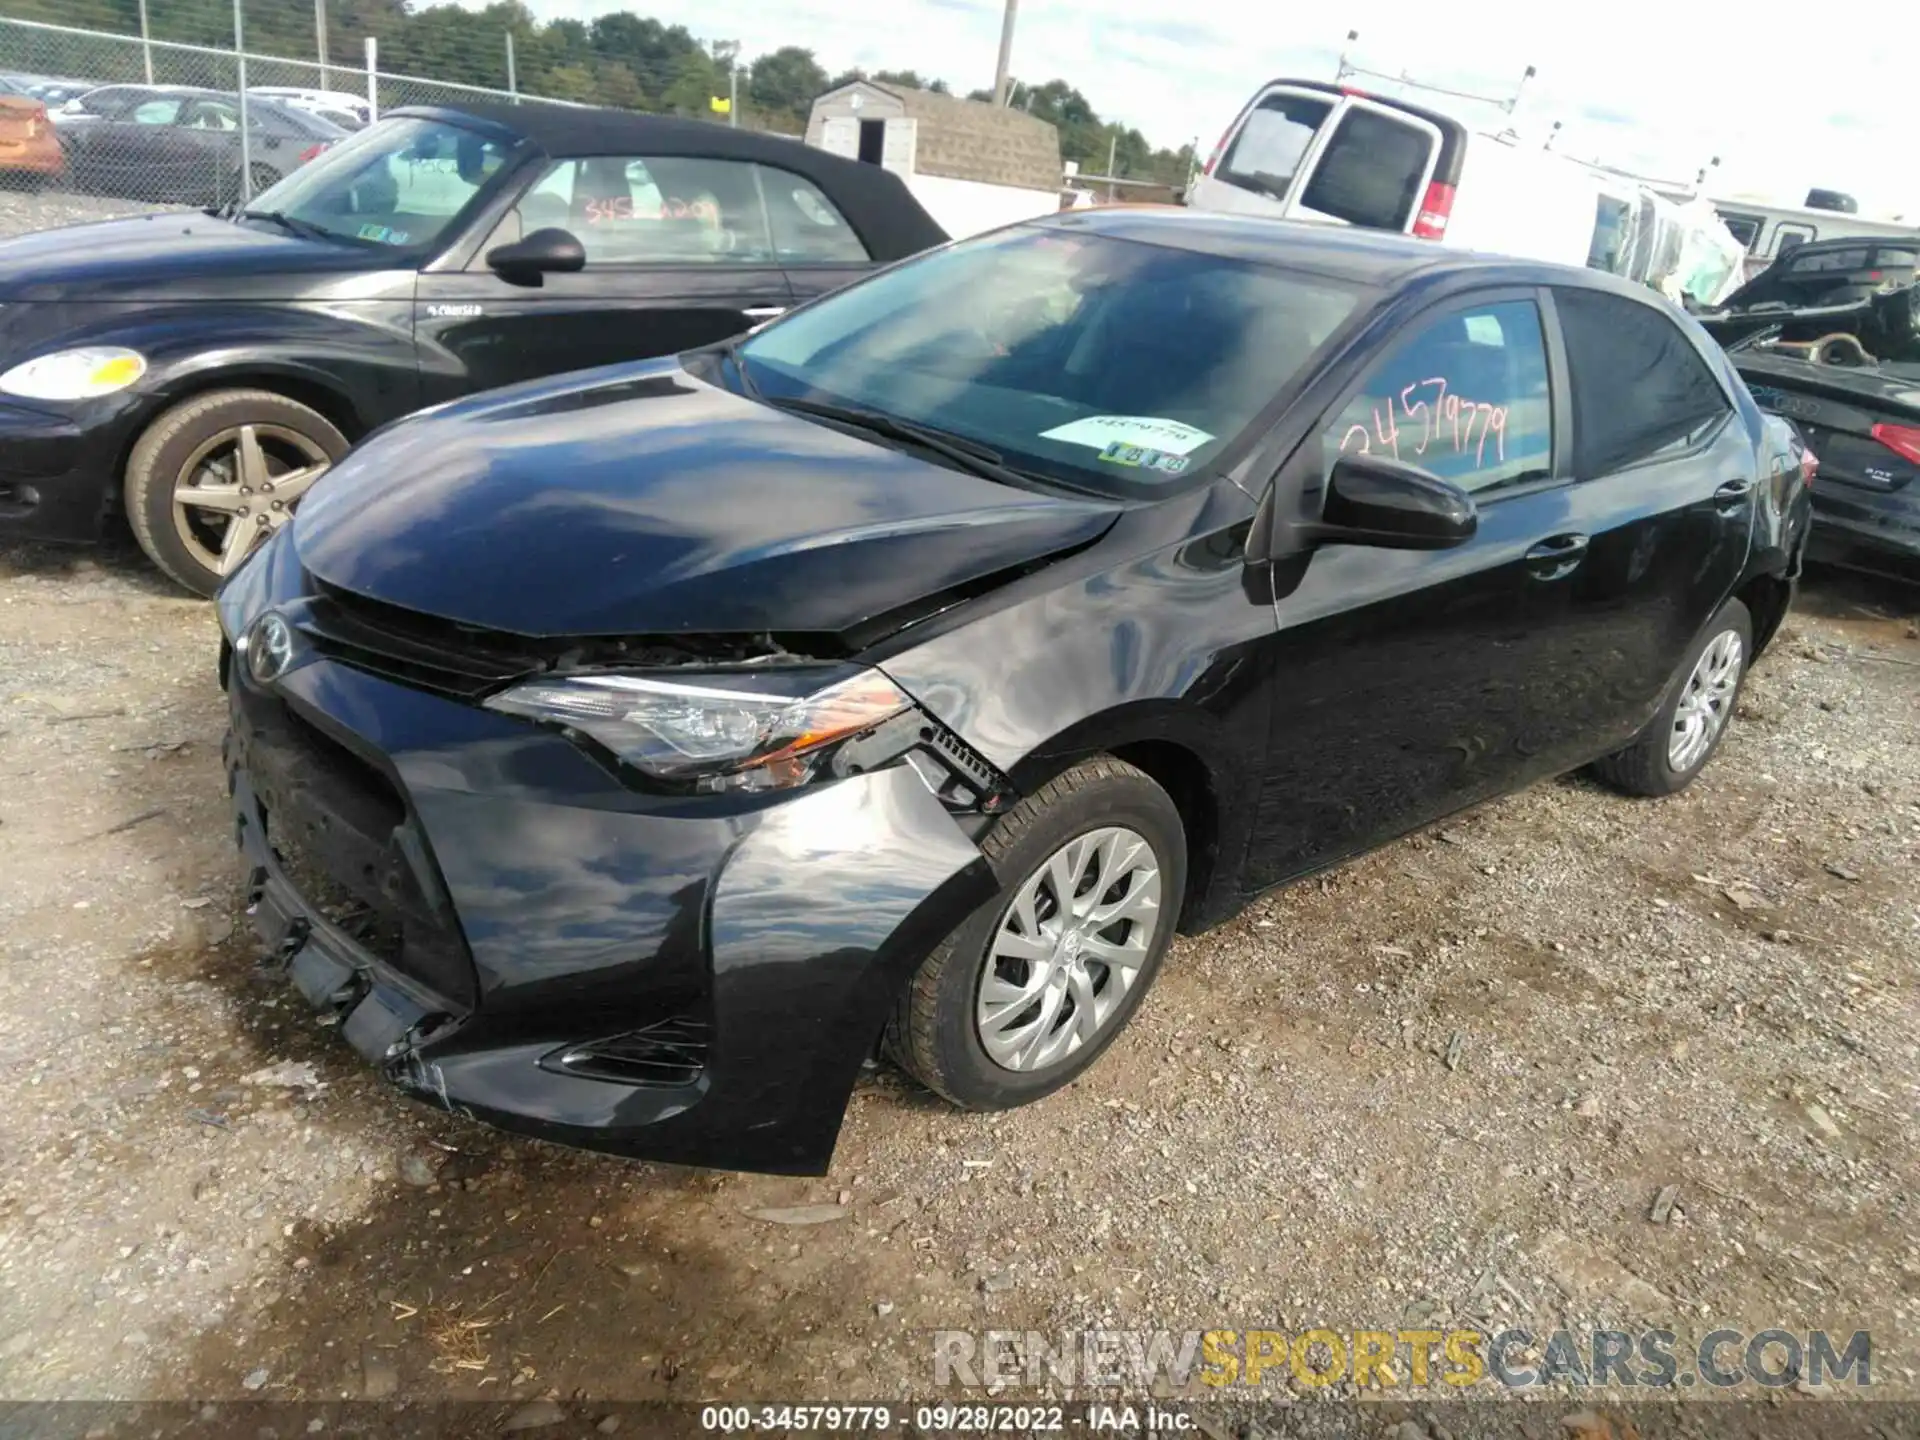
(788, 80)
(695, 82)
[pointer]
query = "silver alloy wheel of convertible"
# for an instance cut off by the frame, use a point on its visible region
(1068, 948)
(1706, 702)
(239, 487)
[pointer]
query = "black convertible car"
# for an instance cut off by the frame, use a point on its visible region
(202, 370)
(621, 757)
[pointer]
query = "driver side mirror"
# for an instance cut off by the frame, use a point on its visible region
(1375, 501)
(551, 251)
(1368, 500)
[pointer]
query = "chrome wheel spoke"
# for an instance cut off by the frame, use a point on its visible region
(1064, 955)
(295, 483)
(226, 499)
(240, 538)
(253, 460)
(1705, 701)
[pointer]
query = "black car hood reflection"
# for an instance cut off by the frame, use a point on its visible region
(173, 256)
(646, 501)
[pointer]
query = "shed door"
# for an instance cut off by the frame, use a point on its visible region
(840, 135)
(902, 145)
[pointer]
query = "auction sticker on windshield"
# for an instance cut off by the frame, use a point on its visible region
(1171, 437)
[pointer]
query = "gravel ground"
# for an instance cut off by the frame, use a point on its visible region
(1442, 1085)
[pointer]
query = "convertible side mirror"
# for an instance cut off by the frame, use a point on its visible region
(551, 251)
(1375, 501)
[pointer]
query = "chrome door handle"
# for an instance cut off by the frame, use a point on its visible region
(1729, 495)
(764, 312)
(1556, 556)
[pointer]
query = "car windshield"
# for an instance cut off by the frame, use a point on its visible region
(397, 184)
(1103, 363)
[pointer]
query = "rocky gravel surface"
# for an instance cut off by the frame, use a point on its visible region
(1570, 1059)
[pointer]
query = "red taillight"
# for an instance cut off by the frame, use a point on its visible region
(313, 150)
(1903, 440)
(1435, 210)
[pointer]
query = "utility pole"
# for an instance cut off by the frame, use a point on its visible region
(320, 38)
(1006, 54)
(1113, 147)
(146, 41)
(246, 130)
(733, 94)
(513, 76)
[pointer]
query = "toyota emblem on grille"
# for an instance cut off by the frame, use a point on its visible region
(270, 648)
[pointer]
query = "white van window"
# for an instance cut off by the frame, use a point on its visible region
(1788, 238)
(1613, 231)
(1276, 133)
(1371, 172)
(1744, 228)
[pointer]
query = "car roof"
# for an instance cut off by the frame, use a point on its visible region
(876, 202)
(1380, 258)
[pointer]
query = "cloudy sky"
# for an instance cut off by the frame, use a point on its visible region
(1660, 87)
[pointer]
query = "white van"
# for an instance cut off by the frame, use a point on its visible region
(1307, 150)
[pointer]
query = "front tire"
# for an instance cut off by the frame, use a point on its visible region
(1677, 743)
(1029, 991)
(215, 475)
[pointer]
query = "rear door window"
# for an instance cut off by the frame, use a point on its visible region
(1273, 139)
(808, 229)
(1640, 388)
(1465, 398)
(1373, 169)
(674, 210)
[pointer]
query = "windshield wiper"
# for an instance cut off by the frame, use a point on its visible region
(969, 455)
(731, 350)
(292, 224)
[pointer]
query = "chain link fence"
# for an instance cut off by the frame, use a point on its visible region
(179, 112)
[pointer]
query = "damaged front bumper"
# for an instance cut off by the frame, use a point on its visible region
(510, 933)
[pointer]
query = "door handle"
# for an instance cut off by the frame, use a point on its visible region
(1728, 497)
(764, 312)
(1557, 556)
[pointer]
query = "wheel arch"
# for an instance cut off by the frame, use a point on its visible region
(307, 387)
(1768, 595)
(1169, 743)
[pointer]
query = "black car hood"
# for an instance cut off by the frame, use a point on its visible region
(644, 501)
(174, 256)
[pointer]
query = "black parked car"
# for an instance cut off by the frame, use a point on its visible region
(623, 756)
(202, 370)
(1835, 347)
(178, 144)
(1864, 425)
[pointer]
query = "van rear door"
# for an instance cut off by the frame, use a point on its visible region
(1314, 151)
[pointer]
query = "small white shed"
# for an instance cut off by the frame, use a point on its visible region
(973, 165)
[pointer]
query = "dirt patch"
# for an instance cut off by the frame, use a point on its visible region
(1442, 1085)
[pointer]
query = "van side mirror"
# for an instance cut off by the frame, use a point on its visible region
(1372, 500)
(551, 251)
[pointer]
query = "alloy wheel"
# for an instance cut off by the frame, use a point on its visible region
(1706, 702)
(239, 487)
(1068, 948)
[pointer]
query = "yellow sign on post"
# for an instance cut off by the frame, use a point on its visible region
(721, 105)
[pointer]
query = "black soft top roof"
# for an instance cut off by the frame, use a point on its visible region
(882, 211)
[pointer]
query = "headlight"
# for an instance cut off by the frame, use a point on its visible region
(714, 731)
(75, 374)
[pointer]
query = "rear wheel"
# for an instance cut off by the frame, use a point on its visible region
(216, 475)
(1678, 742)
(1029, 991)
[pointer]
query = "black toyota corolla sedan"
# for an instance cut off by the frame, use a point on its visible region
(199, 372)
(624, 758)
